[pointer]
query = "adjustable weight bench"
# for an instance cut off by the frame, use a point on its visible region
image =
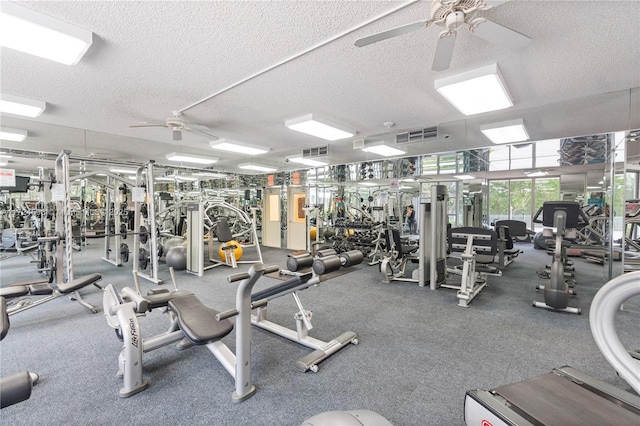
(51, 291)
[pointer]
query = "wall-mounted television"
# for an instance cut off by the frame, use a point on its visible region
(22, 185)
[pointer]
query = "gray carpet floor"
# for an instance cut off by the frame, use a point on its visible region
(418, 352)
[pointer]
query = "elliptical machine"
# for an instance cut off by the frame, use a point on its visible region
(562, 215)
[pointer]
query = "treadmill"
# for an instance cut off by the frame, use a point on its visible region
(567, 396)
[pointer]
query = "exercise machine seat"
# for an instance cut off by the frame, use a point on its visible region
(78, 283)
(223, 232)
(159, 300)
(197, 321)
(16, 291)
(517, 228)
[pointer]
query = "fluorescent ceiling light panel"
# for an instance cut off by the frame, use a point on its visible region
(464, 177)
(238, 147)
(476, 91)
(537, 174)
(210, 175)
(384, 150)
(15, 135)
(308, 161)
(191, 158)
(4, 156)
(3, 163)
(368, 184)
(41, 35)
(505, 132)
(118, 170)
(319, 127)
(257, 167)
(10, 104)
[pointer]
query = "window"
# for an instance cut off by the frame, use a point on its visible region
(498, 200)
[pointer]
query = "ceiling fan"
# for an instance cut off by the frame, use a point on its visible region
(452, 14)
(178, 125)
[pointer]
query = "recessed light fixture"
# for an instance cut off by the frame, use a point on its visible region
(380, 148)
(464, 177)
(237, 147)
(10, 104)
(506, 131)
(320, 127)
(307, 161)
(41, 35)
(368, 184)
(15, 135)
(4, 156)
(257, 167)
(476, 91)
(3, 163)
(191, 158)
(165, 178)
(119, 170)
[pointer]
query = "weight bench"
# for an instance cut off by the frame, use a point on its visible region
(322, 350)
(507, 230)
(52, 291)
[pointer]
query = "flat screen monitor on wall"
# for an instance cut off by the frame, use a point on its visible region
(22, 185)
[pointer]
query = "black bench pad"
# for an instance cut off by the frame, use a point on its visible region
(159, 300)
(78, 283)
(15, 291)
(197, 321)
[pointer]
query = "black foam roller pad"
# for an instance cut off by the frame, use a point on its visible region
(302, 261)
(326, 265)
(326, 252)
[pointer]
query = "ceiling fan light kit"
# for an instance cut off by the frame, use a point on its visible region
(29, 31)
(476, 91)
(17, 105)
(452, 14)
(320, 127)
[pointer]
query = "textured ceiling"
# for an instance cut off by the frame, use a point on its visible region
(580, 75)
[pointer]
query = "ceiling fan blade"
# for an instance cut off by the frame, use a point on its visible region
(202, 130)
(177, 134)
(149, 125)
(499, 35)
(374, 38)
(444, 51)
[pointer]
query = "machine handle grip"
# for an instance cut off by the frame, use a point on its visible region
(271, 269)
(237, 277)
(233, 312)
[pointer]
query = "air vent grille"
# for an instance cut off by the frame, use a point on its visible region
(417, 135)
(318, 151)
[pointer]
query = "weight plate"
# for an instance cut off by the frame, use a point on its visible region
(124, 252)
(144, 235)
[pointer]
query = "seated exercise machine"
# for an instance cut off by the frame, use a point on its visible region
(567, 396)
(17, 387)
(23, 293)
(562, 215)
(320, 266)
(476, 248)
(190, 319)
(508, 230)
(394, 263)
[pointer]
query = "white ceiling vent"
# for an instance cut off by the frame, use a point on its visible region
(319, 151)
(358, 143)
(417, 135)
